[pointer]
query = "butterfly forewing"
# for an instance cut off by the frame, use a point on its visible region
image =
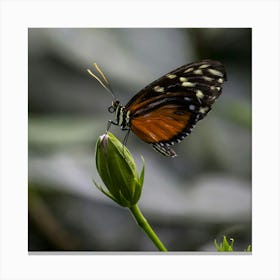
(166, 110)
(206, 75)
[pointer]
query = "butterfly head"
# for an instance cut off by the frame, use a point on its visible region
(114, 106)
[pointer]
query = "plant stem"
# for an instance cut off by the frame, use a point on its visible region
(143, 223)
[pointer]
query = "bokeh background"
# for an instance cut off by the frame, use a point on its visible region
(190, 200)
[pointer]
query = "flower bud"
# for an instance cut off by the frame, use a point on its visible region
(117, 169)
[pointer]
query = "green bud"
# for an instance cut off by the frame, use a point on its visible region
(117, 169)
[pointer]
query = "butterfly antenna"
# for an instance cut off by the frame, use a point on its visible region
(103, 80)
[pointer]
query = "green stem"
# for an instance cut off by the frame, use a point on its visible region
(143, 223)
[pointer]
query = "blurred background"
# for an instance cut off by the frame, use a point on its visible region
(190, 200)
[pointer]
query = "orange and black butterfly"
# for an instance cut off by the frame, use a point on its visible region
(165, 111)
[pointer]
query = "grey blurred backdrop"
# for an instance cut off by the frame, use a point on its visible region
(190, 200)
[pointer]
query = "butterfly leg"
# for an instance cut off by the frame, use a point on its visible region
(126, 136)
(109, 125)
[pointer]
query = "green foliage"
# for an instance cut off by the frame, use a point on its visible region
(225, 246)
(248, 249)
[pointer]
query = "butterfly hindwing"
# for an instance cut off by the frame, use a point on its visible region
(157, 125)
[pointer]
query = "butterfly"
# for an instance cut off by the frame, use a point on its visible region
(165, 111)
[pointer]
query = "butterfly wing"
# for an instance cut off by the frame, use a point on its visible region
(156, 126)
(203, 75)
(167, 109)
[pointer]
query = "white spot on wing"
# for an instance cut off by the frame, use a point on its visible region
(159, 89)
(204, 66)
(203, 110)
(171, 76)
(188, 70)
(215, 72)
(197, 72)
(191, 107)
(208, 79)
(183, 79)
(199, 94)
(188, 84)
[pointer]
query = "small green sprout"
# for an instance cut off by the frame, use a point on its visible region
(225, 246)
